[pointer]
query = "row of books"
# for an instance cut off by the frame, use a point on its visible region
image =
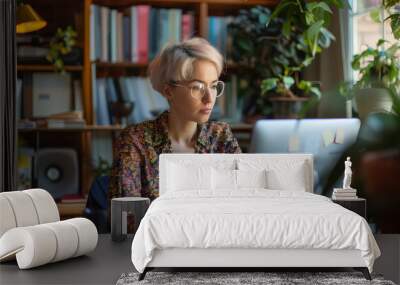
(218, 34)
(137, 33)
(147, 103)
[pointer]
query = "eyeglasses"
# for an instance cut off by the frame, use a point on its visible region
(198, 89)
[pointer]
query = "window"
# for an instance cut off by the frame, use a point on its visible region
(364, 31)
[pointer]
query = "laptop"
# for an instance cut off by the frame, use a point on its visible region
(326, 139)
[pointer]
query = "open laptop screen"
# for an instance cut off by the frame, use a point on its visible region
(326, 139)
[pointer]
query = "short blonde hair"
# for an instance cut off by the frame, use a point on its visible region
(175, 61)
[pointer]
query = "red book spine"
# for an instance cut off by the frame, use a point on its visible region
(143, 12)
(186, 30)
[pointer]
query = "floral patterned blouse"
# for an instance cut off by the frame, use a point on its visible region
(135, 167)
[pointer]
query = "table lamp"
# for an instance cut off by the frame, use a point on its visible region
(28, 20)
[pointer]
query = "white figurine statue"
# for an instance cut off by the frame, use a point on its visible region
(347, 174)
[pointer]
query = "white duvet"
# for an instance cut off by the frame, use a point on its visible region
(252, 218)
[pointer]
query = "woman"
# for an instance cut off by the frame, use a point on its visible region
(186, 74)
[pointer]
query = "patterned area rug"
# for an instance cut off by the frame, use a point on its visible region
(230, 278)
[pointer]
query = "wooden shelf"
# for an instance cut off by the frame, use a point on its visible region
(47, 67)
(71, 209)
(90, 128)
(93, 128)
(125, 64)
(241, 127)
(180, 3)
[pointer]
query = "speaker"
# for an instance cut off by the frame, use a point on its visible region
(58, 171)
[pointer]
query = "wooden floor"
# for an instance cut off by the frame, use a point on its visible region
(110, 260)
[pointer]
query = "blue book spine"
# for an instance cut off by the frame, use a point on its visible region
(97, 23)
(216, 32)
(127, 40)
(92, 32)
(94, 91)
(154, 32)
(178, 25)
(113, 36)
(164, 27)
(103, 117)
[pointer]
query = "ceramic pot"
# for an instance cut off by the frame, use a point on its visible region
(371, 100)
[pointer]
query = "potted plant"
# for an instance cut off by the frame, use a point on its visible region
(310, 21)
(61, 44)
(379, 70)
(277, 47)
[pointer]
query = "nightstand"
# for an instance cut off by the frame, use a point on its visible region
(358, 206)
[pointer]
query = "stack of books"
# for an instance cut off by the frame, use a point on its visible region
(73, 119)
(344, 194)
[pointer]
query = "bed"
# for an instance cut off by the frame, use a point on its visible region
(247, 211)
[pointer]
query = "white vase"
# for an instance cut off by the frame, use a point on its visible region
(371, 100)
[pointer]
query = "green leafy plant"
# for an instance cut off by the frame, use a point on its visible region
(313, 17)
(269, 59)
(61, 44)
(378, 67)
(392, 8)
(308, 22)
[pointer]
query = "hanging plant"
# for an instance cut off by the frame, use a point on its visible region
(60, 45)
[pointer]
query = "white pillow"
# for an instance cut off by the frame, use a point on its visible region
(182, 177)
(251, 178)
(224, 179)
(222, 163)
(228, 179)
(293, 179)
(281, 174)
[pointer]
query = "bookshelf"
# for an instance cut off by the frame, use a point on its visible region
(112, 128)
(46, 68)
(70, 210)
(88, 128)
(77, 13)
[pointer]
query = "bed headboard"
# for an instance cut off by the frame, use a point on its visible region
(230, 159)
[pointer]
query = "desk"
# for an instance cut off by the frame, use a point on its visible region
(102, 266)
